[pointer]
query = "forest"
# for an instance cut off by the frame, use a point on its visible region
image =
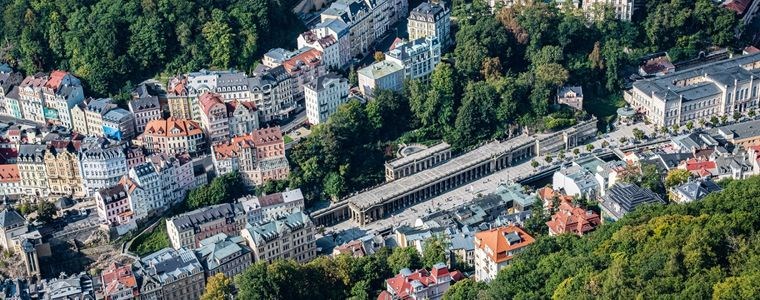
(701, 250)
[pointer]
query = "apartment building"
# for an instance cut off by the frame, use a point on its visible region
(224, 254)
(273, 91)
(30, 97)
(289, 237)
(8, 81)
(242, 117)
(367, 20)
(430, 19)
(418, 57)
(623, 9)
(93, 115)
(173, 136)
(31, 166)
(102, 165)
(119, 282)
(713, 89)
(119, 124)
(272, 206)
(144, 190)
(62, 168)
(145, 107)
(61, 92)
(112, 205)
(323, 96)
(383, 75)
(186, 231)
(420, 284)
(180, 99)
(171, 274)
(175, 174)
(305, 67)
(331, 39)
(214, 117)
(258, 156)
(495, 248)
(10, 180)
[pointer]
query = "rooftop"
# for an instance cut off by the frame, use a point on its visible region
(502, 241)
(422, 154)
(380, 69)
(205, 215)
(625, 197)
(168, 264)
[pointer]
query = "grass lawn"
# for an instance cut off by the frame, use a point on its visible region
(151, 241)
(604, 107)
(287, 139)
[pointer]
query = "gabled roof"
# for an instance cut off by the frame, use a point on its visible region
(502, 241)
(168, 127)
(11, 218)
(9, 173)
(573, 219)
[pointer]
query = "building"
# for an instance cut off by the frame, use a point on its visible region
(8, 81)
(430, 19)
(144, 190)
(714, 89)
(272, 206)
(331, 38)
(79, 118)
(624, 198)
(113, 205)
(418, 57)
(181, 100)
(12, 225)
(31, 166)
(171, 274)
(495, 248)
(367, 21)
(189, 229)
(145, 107)
(420, 284)
(103, 164)
(119, 124)
(323, 96)
(623, 9)
(175, 174)
(416, 161)
(571, 96)
(96, 109)
(173, 136)
(30, 99)
(744, 134)
(119, 283)
(304, 67)
(61, 93)
(242, 117)
(694, 190)
(224, 254)
(273, 91)
(62, 168)
(383, 75)
(76, 286)
(572, 219)
(10, 180)
(289, 237)
(214, 117)
(576, 181)
(746, 10)
(258, 156)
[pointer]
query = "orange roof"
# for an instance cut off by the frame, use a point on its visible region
(547, 194)
(207, 100)
(737, 6)
(496, 240)
(117, 275)
(232, 105)
(257, 138)
(166, 128)
(9, 173)
(402, 285)
(311, 58)
(128, 183)
(56, 77)
(573, 219)
(694, 165)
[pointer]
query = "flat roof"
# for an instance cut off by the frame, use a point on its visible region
(418, 155)
(407, 184)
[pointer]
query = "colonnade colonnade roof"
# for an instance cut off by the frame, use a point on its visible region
(404, 185)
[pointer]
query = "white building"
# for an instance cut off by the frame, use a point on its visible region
(575, 181)
(144, 189)
(384, 75)
(495, 248)
(331, 38)
(272, 206)
(430, 19)
(290, 237)
(102, 165)
(62, 92)
(418, 57)
(623, 9)
(323, 96)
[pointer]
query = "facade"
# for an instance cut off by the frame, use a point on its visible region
(495, 248)
(420, 284)
(119, 283)
(418, 57)
(181, 100)
(31, 101)
(12, 225)
(571, 96)
(8, 81)
(323, 96)
(189, 229)
(273, 91)
(572, 219)
(94, 113)
(78, 117)
(175, 174)
(224, 254)
(331, 39)
(259, 156)
(214, 117)
(714, 89)
(31, 166)
(430, 19)
(624, 198)
(694, 190)
(102, 164)
(367, 20)
(623, 9)
(113, 205)
(173, 136)
(61, 92)
(119, 124)
(744, 134)
(144, 107)
(144, 190)
(62, 168)
(418, 161)
(384, 75)
(243, 117)
(576, 181)
(10, 180)
(272, 206)
(171, 274)
(305, 67)
(289, 237)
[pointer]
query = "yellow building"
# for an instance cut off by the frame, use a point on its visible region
(62, 169)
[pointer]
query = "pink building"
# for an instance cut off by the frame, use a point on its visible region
(113, 205)
(420, 284)
(258, 156)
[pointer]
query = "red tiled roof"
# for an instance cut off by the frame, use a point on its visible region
(751, 50)
(207, 100)
(738, 6)
(573, 219)
(496, 240)
(117, 275)
(232, 105)
(56, 77)
(402, 287)
(165, 127)
(9, 173)
(311, 58)
(353, 248)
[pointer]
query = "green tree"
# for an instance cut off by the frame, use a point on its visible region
(589, 147)
(533, 163)
(46, 211)
(638, 134)
(147, 43)
(476, 119)
(404, 257)
(221, 38)
(676, 177)
(434, 251)
(465, 289)
(218, 287)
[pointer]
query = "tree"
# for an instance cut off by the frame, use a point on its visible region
(434, 251)
(45, 211)
(689, 125)
(464, 289)
(638, 134)
(353, 77)
(360, 290)
(220, 37)
(470, 58)
(476, 119)
(491, 69)
(218, 287)
(676, 177)
(533, 163)
(548, 159)
(404, 257)
(605, 144)
(379, 56)
(589, 147)
(714, 120)
(576, 151)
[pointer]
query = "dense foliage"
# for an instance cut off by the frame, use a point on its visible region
(223, 189)
(151, 241)
(109, 43)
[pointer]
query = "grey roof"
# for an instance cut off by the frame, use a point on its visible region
(741, 130)
(428, 12)
(101, 105)
(625, 197)
(269, 230)
(462, 240)
(697, 189)
(206, 214)
(668, 161)
(514, 194)
(324, 80)
(406, 50)
(117, 115)
(168, 264)
(381, 69)
(113, 194)
(10, 218)
(695, 141)
(336, 25)
(31, 152)
(144, 104)
(422, 154)
(218, 249)
(578, 90)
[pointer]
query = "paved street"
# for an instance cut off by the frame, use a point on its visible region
(348, 230)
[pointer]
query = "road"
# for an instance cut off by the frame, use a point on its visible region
(348, 230)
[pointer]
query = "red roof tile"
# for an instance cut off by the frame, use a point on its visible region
(573, 219)
(496, 240)
(9, 173)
